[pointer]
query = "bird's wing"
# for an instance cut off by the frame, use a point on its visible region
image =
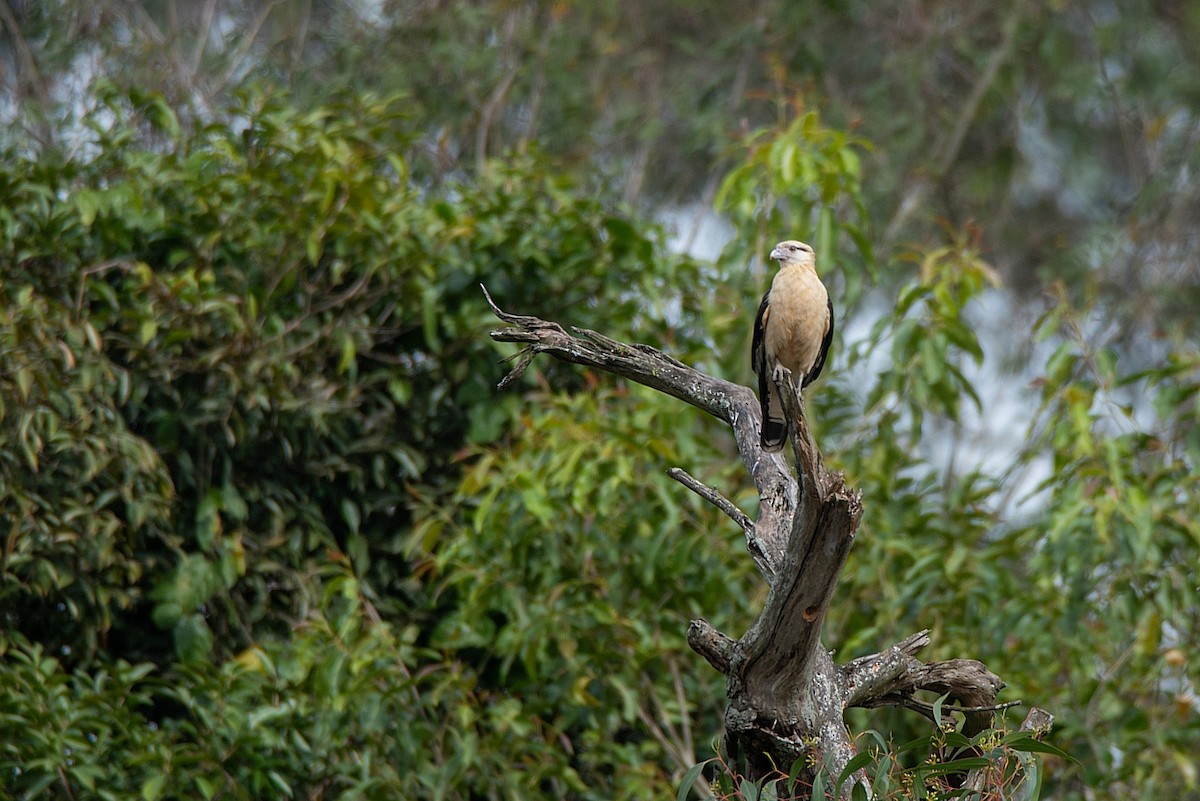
(826, 341)
(773, 429)
(758, 355)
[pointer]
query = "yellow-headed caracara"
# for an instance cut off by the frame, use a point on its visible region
(793, 329)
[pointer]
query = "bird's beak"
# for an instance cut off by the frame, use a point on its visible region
(776, 253)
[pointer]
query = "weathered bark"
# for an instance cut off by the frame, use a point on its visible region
(786, 695)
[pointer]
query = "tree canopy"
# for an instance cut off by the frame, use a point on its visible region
(269, 529)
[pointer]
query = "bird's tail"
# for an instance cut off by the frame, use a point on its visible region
(774, 424)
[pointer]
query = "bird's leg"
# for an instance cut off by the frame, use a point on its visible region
(784, 377)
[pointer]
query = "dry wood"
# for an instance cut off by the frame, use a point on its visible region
(786, 695)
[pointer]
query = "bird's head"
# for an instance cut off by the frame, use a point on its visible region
(790, 251)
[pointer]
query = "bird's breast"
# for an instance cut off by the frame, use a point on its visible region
(799, 319)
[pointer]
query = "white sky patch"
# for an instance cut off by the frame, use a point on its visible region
(370, 11)
(696, 230)
(73, 90)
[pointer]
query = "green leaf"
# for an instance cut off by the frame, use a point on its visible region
(208, 520)
(232, 502)
(206, 787)
(350, 514)
(818, 785)
(953, 766)
(152, 788)
(430, 313)
(38, 786)
(1023, 741)
(937, 710)
(193, 639)
(856, 763)
(690, 778)
(280, 782)
(147, 331)
(160, 114)
(347, 361)
(826, 246)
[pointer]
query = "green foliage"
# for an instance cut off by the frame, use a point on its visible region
(921, 534)
(1061, 128)
(802, 179)
(798, 179)
(86, 500)
(1110, 561)
(929, 338)
(1006, 765)
(202, 378)
(268, 531)
(335, 710)
(246, 360)
(1085, 595)
(569, 570)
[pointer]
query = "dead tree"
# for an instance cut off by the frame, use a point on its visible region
(786, 695)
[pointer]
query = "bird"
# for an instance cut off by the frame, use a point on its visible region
(793, 330)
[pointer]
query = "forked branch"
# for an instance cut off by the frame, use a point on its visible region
(785, 692)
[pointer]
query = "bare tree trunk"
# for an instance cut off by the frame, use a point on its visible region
(786, 695)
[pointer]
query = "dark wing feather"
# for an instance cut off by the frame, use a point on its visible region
(819, 362)
(772, 433)
(758, 356)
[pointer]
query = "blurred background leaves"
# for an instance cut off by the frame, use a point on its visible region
(268, 530)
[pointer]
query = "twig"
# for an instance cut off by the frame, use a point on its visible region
(490, 108)
(14, 29)
(685, 721)
(206, 19)
(24, 52)
(301, 34)
(949, 147)
(927, 708)
(96, 269)
(248, 39)
(737, 515)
